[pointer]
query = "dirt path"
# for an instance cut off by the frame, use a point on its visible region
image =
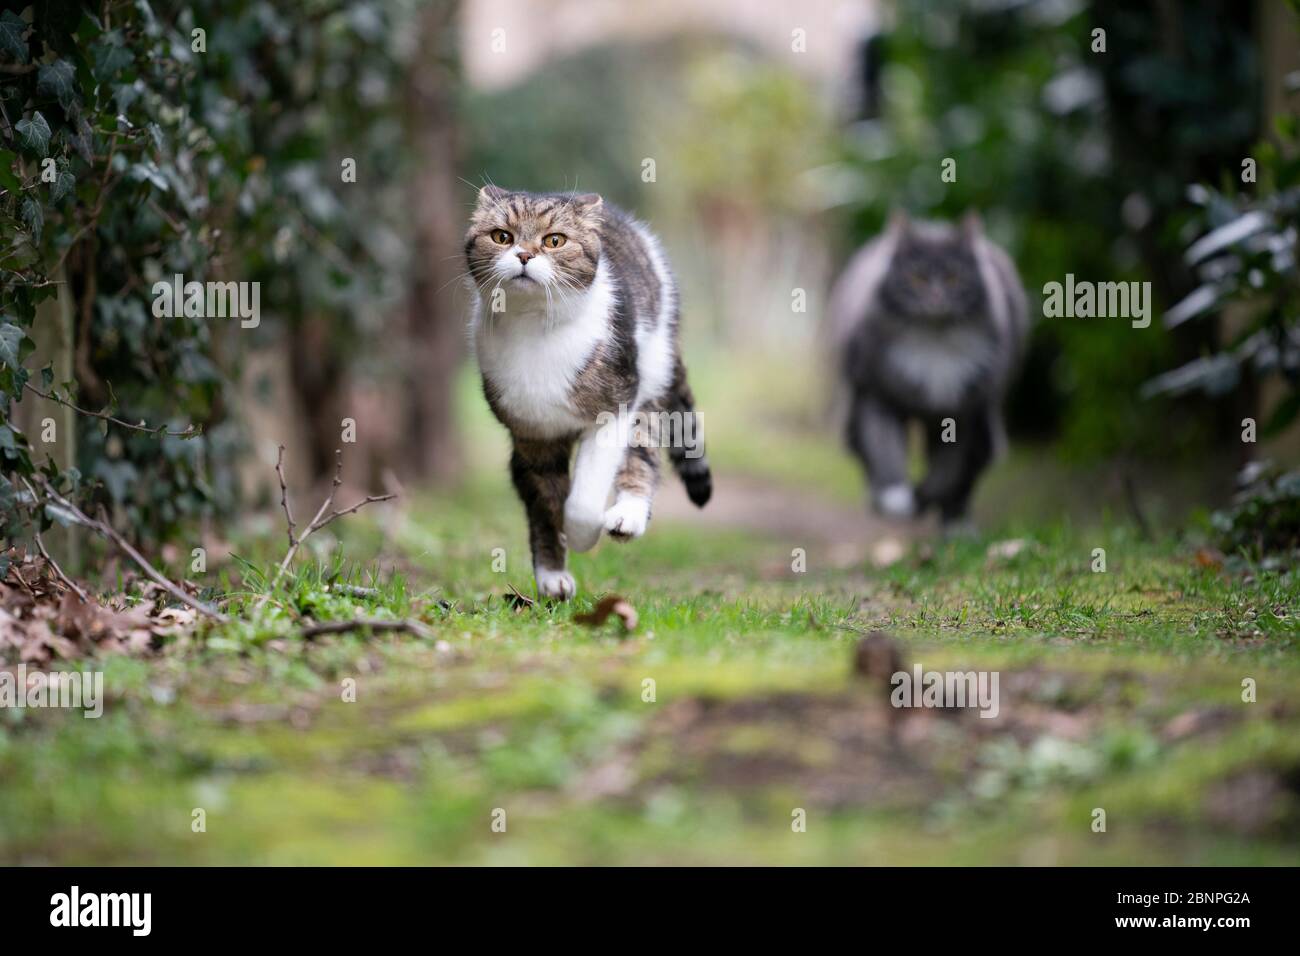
(851, 534)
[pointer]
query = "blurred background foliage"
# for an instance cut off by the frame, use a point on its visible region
(205, 141)
(761, 174)
(1079, 161)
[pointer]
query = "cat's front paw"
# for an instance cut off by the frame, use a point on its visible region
(628, 518)
(582, 526)
(555, 584)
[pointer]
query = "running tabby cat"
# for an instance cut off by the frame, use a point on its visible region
(574, 325)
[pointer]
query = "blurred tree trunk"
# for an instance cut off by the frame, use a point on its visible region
(319, 375)
(433, 323)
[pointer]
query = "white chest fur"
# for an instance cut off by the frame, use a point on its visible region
(532, 351)
(941, 364)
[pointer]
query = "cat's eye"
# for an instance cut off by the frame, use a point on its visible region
(501, 237)
(554, 240)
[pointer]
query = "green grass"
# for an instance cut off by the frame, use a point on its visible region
(755, 713)
(1121, 691)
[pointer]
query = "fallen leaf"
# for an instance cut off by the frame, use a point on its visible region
(1209, 558)
(610, 604)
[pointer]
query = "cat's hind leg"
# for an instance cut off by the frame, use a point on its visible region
(634, 490)
(959, 447)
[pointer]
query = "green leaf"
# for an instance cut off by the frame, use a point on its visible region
(124, 96)
(148, 170)
(111, 56)
(34, 216)
(1282, 416)
(8, 179)
(47, 377)
(11, 345)
(12, 28)
(35, 133)
(65, 184)
(58, 80)
(62, 515)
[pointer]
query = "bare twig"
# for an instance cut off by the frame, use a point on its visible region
(284, 495)
(324, 515)
(46, 555)
(85, 599)
(160, 430)
(375, 624)
(106, 530)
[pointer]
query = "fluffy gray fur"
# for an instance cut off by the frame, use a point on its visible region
(930, 320)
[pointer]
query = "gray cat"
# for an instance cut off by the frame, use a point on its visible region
(930, 319)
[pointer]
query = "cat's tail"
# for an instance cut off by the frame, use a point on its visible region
(686, 449)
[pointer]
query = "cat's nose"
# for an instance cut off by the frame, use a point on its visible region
(524, 257)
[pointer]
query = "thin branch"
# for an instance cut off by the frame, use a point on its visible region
(322, 517)
(160, 430)
(85, 599)
(284, 495)
(106, 530)
(342, 627)
(46, 555)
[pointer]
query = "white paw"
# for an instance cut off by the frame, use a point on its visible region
(896, 501)
(582, 526)
(628, 518)
(555, 584)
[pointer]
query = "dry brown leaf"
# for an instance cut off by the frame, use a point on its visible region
(1209, 558)
(610, 604)
(41, 618)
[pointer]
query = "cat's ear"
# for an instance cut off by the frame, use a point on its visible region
(972, 226)
(491, 195)
(588, 204)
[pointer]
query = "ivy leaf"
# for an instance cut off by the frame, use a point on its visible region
(35, 133)
(47, 377)
(125, 95)
(82, 140)
(11, 345)
(12, 28)
(111, 56)
(60, 514)
(1283, 415)
(148, 170)
(65, 184)
(7, 177)
(34, 216)
(58, 80)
